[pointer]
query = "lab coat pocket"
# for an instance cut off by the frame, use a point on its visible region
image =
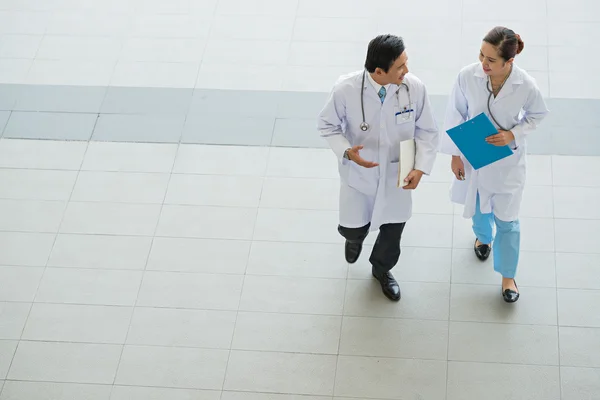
(365, 180)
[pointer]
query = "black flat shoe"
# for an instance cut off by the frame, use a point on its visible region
(509, 295)
(482, 251)
(389, 286)
(353, 250)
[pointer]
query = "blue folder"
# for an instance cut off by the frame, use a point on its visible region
(470, 136)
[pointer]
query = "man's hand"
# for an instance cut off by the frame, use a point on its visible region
(502, 138)
(458, 168)
(354, 155)
(413, 179)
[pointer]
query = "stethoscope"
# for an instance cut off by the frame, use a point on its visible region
(364, 126)
(487, 85)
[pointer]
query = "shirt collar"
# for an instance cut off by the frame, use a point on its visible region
(376, 85)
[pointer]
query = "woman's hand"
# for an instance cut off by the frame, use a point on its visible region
(458, 168)
(502, 138)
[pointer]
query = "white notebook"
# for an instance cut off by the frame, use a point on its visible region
(407, 160)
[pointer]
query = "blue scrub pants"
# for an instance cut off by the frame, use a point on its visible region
(506, 245)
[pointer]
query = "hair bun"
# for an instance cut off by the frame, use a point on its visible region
(520, 44)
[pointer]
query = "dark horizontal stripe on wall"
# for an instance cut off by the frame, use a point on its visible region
(253, 118)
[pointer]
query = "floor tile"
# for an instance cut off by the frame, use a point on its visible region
(291, 333)
(577, 236)
(231, 77)
(138, 128)
(579, 347)
(24, 282)
(571, 312)
(146, 393)
(416, 264)
(7, 351)
(19, 46)
(41, 154)
(236, 130)
(12, 319)
(31, 215)
(181, 328)
(576, 171)
(214, 190)
(266, 396)
(272, 52)
(51, 98)
(300, 193)
(515, 344)
(501, 381)
(207, 222)
(65, 362)
(87, 286)
(129, 157)
(190, 291)
(539, 170)
(110, 218)
(8, 95)
(100, 252)
(432, 198)
(180, 50)
(145, 100)
(316, 260)
(297, 133)
(574, 202)
(36, 184)
(198, 255)
(303, 105)
(169, 26)
(578, 271)
(13, 70)
(537, 202)
(247, 103)
(580, 383)
(42, 125)
(221, 160)
(429, 229)
(172, 367)
(394, 338)
(408, 378)
(270, 372)
(294, 163)
(155, 74)
(30, 249)
(483, 303)
(4, 116)
(121, 187)
(535, 269)
(14, 390)
(294, 295)
(419, 300)
(252, 27)
(75, 323)
(311, 226)
(270, 7)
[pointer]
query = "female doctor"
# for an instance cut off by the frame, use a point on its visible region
(492, 195)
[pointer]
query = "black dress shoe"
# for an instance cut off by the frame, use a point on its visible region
(389, 286)
(509, 295)
(353, 250)
(482, 251)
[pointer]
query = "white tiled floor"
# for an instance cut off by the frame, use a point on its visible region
(301, 45)
(158, 271)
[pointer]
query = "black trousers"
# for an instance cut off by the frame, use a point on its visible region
(386, 250)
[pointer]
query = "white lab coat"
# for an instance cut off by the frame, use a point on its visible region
(371, 195)
(519, 107)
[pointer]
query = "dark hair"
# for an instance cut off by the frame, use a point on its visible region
(383, 51)
(508, 43)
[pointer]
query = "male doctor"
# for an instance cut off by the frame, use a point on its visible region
(367, 115)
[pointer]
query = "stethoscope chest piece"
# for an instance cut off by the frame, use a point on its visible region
(364, 127)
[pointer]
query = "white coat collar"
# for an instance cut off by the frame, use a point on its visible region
(515, 78)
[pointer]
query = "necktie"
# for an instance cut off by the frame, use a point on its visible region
(382, 93)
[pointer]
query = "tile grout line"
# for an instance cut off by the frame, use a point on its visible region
(45, 268)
